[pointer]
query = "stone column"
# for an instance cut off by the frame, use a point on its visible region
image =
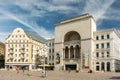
(81, 62)
(105, 66)
(100, 66)
(63, 53)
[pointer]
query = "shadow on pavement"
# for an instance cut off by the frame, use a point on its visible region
(115, 77)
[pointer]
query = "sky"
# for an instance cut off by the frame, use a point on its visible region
(40, 16)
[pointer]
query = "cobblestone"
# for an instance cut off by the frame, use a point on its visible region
(58, 75)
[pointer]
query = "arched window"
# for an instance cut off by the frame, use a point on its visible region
(77, 51)
(102, 66)
(66, 52)
(108, 66)
(97, 62)
(72, 35)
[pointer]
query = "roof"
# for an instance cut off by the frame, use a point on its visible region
(112, 29)
(35, 36)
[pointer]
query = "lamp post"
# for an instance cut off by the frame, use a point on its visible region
(44, 72)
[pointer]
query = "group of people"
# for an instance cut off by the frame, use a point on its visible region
(23, 69)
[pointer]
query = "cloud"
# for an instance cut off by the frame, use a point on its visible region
(98, 8)
(39, 30)
(3, 36)
(112, 14)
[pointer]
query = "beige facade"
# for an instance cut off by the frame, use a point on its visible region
(74, 37)
(24, 48)
(76, 46)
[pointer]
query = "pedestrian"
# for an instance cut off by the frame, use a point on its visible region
(23, 69)
(69, 70)
(17, 69)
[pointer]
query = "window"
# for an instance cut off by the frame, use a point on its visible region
(15, 60)
(19, 60)
(52, 50)
(102, 37)
(18, 31)
(97, 62)
(97, 38)
(102, 54)
(26, 60)
(108, 45)
(108, 36)
(97, 54)
(8, 60)
(102, 45)
(97, 46)
(108, 54)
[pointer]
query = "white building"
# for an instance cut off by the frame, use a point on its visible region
(78, 45)
(107, 50)
(24, 48)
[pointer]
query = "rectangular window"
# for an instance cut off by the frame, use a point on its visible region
(108, 36)
(102, 37)
(102, 54)
(108, 45)
(108, 54)
(97, 38)
(102, 45)
(97, 46)
(97, 54)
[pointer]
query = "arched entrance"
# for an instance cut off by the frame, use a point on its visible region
(108, 66)
(72, 49)
(102, 66)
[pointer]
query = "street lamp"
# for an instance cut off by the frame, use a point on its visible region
(44, 72)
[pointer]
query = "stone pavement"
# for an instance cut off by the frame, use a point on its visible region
(58, 75)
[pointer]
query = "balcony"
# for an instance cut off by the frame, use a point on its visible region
(22, 57)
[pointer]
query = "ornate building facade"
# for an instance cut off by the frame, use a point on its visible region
(78, 45)
(24, 48)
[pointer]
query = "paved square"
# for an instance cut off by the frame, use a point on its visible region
(58, 75)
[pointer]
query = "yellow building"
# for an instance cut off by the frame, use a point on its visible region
(24, 49)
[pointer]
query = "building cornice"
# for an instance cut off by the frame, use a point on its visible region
(81, 17)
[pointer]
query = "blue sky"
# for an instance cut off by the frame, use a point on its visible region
(41, 15)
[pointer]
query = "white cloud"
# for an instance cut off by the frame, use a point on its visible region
(33, 26)
(3, 36)
(98, 7)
